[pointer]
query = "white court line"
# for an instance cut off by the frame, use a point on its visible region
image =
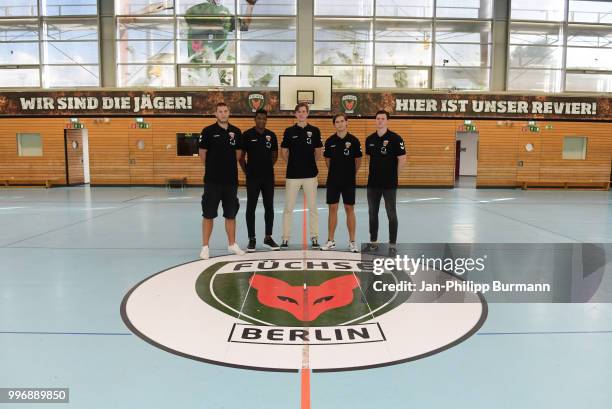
(163, 199)
(212, 292)
(14, 207)
(419, 200)
(94, 208)
(497, 200)
(303, 210)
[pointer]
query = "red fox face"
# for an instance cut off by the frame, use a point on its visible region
(305, 305)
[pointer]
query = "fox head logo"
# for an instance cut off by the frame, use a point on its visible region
(305, 304)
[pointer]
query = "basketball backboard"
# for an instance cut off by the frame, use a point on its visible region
(314, 89)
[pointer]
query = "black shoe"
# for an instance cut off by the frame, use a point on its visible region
(251, 247)
(270, 243)
(314, 243)
(372, 246)
(285, 244)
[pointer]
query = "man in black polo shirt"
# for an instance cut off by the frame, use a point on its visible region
(220, 145)
(301, 148)
(259, 154)
(387, 157)
(343, 158)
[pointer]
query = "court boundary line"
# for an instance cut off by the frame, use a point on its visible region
(594, 332)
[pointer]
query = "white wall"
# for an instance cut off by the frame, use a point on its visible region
(86, 155)
(468, 163)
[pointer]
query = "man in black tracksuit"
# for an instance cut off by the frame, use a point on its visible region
(387, 157)
(259, 154)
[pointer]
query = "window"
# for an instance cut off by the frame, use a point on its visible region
(55, 49)
(404, 8)
(69, 7)
(589, 11)
(535, 57)
(542, 10)
(29, 144)
(18, 8)
(547, 53)
(574, 147)
(588, 82)
(390, 43)
(187, 144)
(199, 43)
(472, 9)
(463, 54)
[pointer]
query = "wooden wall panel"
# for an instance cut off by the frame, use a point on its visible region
(109, 151)
(530, 160)
(596, 167)
(167, 165)
(497, 154)
(430, 144)
(140, 142)
(431, 151)
(49, 166)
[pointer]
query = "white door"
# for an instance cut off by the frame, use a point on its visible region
(468, 159)
(86, 155)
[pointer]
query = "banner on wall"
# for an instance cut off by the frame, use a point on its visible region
(244, 103)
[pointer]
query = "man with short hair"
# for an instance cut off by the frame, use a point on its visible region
(301, 148)
(343, 158)
(387, 157)
(220, 145)
(259, 154)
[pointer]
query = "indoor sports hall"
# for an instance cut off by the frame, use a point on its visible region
(479, 276)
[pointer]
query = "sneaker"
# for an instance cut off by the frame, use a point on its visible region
(234, 248)
(251, 247)
(271, 244)
(285, 244)
(314, 243)
(204, 254)
(353, 247)
(373, 246)
(392, 250)
(329, 245)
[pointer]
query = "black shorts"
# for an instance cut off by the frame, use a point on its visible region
(227, 195)
(347, 192)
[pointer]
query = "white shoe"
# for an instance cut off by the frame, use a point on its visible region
(353, 247)
(330, 245)
(234, 248)
(204, 254)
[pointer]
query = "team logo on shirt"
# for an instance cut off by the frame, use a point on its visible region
(232, 139)
(349, 103)
(268, 143)
(308, 137)
(256, 101)
(347, 146)
(383, 149)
